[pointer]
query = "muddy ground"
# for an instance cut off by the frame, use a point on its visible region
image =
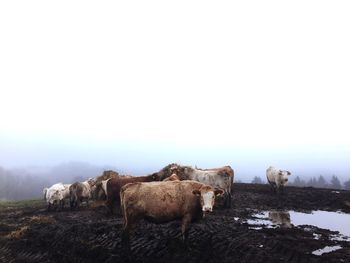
(31, 234)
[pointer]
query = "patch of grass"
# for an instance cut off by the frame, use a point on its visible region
(19, 233)
(21, 203)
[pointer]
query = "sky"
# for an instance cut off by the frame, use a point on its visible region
(139, 84)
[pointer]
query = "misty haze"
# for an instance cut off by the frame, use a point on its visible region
(183, 131)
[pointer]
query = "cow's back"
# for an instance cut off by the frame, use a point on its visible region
(212, 177)
(271, 174)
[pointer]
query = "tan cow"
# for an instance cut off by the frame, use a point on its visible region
(161, 202)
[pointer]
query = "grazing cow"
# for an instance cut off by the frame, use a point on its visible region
(114, 185)
(80, 192)
(216, 177)
(52, 195)
(277, 178)
(161, 202)
(281, 218)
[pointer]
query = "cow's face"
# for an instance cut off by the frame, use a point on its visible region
(207, 197)
(284, 176)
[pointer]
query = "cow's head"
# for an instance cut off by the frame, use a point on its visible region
(207, 197)
(155, 177)
(91, 181)
(284, 176)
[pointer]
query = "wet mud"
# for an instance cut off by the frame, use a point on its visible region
(31, 234)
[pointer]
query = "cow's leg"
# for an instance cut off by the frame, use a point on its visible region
(229, 199)
(48, 207)
(117, 206)
(110, 204)
(186, 220)
(273, 186)
(130, 223)
(281, 189)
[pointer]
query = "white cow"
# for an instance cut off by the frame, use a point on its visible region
(52, 194)
(277, 178)
(221, 178)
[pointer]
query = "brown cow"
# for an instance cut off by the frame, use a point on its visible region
(115, 184)
(161, 202)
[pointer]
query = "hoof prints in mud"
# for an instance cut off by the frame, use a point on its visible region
(89, 235)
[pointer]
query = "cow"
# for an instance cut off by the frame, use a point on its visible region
(80, 192)
(114, 185)
(52, 195)
(216, 177)
(64, 195)
(99, 192)
(277, 178)
(222, 177)
(162, 202)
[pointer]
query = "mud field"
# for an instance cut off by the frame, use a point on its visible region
(258, 228)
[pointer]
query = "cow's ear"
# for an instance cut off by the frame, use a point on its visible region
(218, 191)
(196, 192)
(288, 173)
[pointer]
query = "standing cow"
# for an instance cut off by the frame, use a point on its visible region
(277, 178)
(52, 195)
(80, 192)
(161, 202)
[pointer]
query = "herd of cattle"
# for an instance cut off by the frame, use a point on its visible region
(174, 192)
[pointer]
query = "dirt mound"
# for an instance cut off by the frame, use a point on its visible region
(90, 235)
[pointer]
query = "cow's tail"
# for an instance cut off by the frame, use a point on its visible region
(123, 205)
(44, 192)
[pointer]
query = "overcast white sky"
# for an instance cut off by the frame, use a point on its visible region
(183, 80)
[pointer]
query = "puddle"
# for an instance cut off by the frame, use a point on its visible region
(326, 249)
(334, 221)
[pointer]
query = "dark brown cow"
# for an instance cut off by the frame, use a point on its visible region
(99, 193)
(161, 202)
(115, 184)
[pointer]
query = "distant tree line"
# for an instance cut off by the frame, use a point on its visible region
(18, 184)
(15, 186)
(319, 182)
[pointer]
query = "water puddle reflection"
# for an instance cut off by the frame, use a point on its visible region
(334, 221)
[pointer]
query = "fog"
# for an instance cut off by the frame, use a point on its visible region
(136, 87)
